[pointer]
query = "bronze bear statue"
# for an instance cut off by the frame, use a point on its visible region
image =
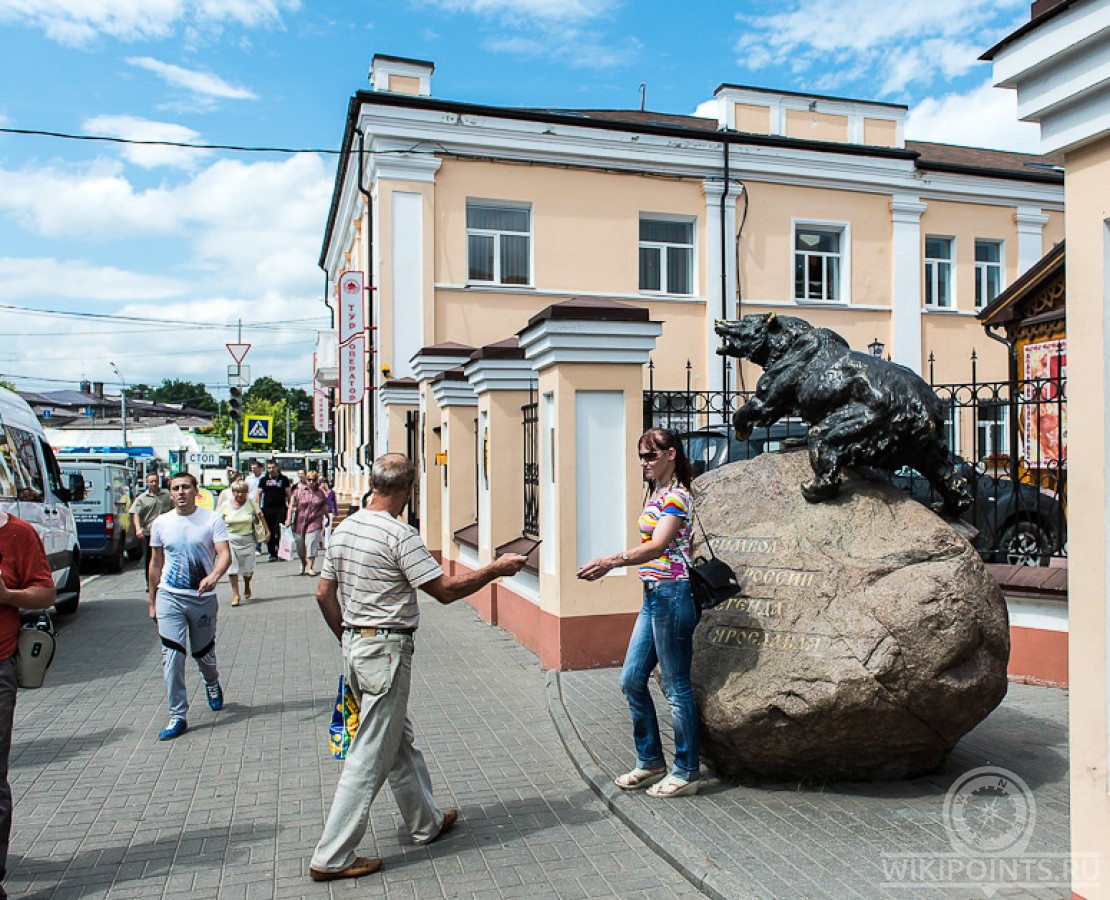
(863, 411)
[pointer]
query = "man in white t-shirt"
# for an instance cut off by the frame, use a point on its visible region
(189, 554)
(254, 476)
(367, 594)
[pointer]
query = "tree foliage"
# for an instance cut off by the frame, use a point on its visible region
(269, 397)
(189, 393)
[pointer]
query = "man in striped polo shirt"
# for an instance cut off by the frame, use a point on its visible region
(367, 594)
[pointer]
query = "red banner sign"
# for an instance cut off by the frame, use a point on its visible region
(352, 305)
(352, 370)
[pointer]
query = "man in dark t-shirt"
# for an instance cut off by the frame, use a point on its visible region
(25, 583)
(274, 490)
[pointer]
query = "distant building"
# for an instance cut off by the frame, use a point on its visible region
(89, 408)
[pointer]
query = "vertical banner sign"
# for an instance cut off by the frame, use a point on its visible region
(352, 369)
(352, 337)
(320, 411)
(352, 306)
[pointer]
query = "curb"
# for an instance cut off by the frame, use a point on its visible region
(660, 837)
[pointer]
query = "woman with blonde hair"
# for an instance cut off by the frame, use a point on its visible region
(240, 513)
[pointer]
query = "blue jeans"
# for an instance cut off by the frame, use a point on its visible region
(663, 634)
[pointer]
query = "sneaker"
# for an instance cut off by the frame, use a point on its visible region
(215, 696)
(177, 727)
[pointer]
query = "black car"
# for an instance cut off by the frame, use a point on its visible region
(1024, 527)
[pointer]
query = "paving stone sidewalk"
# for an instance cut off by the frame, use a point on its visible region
(835, 841)
(233, 808)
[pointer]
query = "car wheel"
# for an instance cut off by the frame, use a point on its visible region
(114, 563)
(1024, 544)
(72, 586)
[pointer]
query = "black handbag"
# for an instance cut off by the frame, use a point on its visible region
(712, 580)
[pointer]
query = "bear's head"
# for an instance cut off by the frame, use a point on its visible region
(748, 337)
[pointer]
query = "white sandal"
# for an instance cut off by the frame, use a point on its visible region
(638, 779)
(674, 787)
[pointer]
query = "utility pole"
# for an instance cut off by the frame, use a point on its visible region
(122, 404)
(288, 430)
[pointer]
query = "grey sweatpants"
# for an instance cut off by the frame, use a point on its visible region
(181, 620)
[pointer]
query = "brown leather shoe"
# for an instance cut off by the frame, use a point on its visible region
(450, 817)
(362, 865)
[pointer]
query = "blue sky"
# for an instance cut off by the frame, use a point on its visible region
(202, 239)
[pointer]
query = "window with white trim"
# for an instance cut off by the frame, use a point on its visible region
(939, 255)
(666, 255)
(819, 262)
(988, 271)
(992, 423)
(498, 243)
(950, 428)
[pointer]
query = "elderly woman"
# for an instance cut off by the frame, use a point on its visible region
(664, 630)
(308, 515)
(240, 513)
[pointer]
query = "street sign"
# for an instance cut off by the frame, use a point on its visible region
(352, 306)
(239, 376)
(203, 459)
(258, 429)
(320, 407)
(238, 351)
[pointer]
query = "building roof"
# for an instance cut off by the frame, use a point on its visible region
(1041, 11)
(66, 398)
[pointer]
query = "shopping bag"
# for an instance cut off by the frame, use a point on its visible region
(285, 545)
(261, 532)
(344, 721)
(327, 537)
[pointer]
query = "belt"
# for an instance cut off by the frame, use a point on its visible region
(380, 632)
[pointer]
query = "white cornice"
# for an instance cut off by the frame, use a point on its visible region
(454, 393)
(426, 366)
(487, 375)
(437, 131)
(554, 341)
(399, 396)
(404, 167)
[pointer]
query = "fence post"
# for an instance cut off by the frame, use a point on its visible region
(589, 354)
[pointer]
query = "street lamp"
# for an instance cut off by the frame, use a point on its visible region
(876, 348)
(122, 403)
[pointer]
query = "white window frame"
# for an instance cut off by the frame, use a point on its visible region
(845, 232)
(662, 247)
(935, 264)
(950, 425)
(981, 272)
(986, 430)
(496, 235)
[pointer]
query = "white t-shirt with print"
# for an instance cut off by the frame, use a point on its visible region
(189, 545)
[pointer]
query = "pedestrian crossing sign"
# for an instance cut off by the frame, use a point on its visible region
(258, 429)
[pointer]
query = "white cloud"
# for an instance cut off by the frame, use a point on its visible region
(892, 44)
(256, 226)
(575, 47)
(78, 22)
(36, 278)
(131, 128)
(983, 117)
(203, 83)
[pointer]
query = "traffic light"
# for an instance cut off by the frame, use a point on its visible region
(235, 405)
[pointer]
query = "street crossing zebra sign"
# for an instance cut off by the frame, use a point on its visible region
(258, 429)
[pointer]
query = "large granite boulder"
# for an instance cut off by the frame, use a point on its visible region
(868, 638)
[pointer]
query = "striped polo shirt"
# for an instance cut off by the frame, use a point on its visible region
(378, 563)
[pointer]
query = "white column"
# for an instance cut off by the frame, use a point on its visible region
(713, 368)
(905, 281)
(1030, 229)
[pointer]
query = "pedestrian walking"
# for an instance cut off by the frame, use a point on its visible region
(25, 583)
(308, 516)
(189, 555)
(239, 514)
(254, 477)
(275, 490)
(367, 595)
(333, 504)
(147, 507)
(664, 629)
(233, 479)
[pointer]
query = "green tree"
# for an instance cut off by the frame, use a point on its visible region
(266, 388)
(7, 384)
(190, 393)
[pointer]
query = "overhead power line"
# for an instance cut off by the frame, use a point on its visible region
(282, 325)
(238, 148)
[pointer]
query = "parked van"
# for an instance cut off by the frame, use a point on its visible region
(31, 487)
(103, 515)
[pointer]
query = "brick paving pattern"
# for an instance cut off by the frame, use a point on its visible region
(843, 840)
(233, 808)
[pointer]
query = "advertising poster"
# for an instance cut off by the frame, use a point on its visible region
(1044, 406)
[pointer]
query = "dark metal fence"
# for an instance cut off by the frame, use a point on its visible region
(530, 421)
(413, 451)
(1013, 433)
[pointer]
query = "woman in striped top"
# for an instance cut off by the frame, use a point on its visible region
(664, 629)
